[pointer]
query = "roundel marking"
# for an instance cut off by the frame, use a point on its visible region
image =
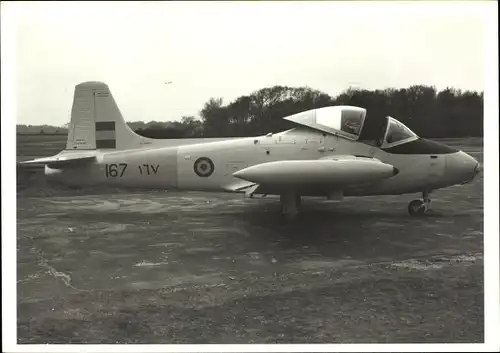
(204, 167)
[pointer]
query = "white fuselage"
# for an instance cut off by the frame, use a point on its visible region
(172, 167)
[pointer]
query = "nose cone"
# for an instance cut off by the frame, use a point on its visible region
(461, 168)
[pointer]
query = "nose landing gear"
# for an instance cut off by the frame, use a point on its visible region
(420, 207)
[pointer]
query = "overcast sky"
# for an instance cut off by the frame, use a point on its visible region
(230, 49)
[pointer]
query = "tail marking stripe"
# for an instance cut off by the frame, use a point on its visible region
(105, 143)
(105, 126)
(105, 135)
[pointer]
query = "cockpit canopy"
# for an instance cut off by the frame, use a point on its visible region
(398, 133)
(344, 120)
(348, 121)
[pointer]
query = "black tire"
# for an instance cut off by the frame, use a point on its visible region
(416, 208)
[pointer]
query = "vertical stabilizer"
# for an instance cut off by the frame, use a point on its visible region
(81, 129)
(96, 121)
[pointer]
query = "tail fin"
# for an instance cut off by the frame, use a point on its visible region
(96, 121)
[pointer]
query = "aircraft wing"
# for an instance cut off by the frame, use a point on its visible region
(333, 172)
(243, 186)
(62, 160)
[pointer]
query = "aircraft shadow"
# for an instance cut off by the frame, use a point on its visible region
(333, 231)
(336, 232)
(333, 214)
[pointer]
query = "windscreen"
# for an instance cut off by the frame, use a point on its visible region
(397, 132)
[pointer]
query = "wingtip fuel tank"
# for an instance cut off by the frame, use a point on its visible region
(326, 171)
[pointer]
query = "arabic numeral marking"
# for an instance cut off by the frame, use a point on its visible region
(148, 169)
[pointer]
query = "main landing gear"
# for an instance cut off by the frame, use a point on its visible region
(420, 207)
(290, 205)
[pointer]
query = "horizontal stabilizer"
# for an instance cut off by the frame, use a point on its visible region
(62, 160)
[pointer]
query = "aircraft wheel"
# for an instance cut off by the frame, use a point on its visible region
(417, 208)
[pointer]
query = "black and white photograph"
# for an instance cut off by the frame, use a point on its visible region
(250, 175)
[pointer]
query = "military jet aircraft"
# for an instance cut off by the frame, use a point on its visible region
(333, 152)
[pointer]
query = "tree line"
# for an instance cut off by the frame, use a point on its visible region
(428, 112)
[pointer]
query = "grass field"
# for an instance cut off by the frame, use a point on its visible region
(31, 146)
(177, 267)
